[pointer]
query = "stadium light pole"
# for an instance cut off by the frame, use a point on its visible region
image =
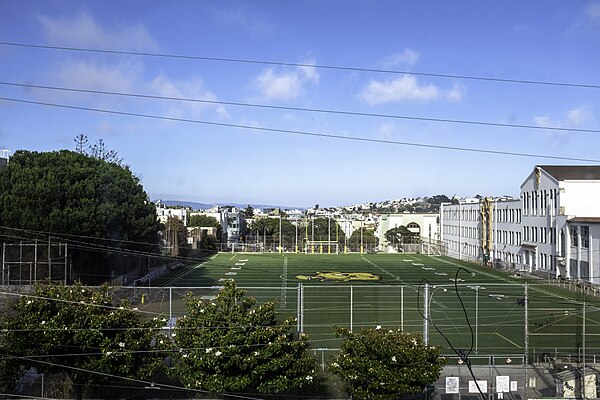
(280, 247)
(297, 234)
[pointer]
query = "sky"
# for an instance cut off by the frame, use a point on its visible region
(383, 73)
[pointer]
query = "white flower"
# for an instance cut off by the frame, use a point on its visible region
(82, 290)
(378, 327)
(309, 378)
(394, 359)
(136, 309)
(161, 341)
(335, 365)
(29, 301)
(209, 350)
(108, 353)
(43, 322)
(121, 344)
(121, 308)
(173, 334)
(256, 353)
(185, 356)
(218, 353)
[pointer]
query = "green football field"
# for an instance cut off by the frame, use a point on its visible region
(485, 316)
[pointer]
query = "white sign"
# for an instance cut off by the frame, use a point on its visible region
(482, 386)
(502, 384)
(513, 386)
(452, 384)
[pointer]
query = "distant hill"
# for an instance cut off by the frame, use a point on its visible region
(204, 206)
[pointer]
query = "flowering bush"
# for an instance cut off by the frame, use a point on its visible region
(384, 364)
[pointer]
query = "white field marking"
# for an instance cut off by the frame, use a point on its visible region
(407, 260)
(396, 277)
(236, 268)
(240, 263)
(244, 260)
(428, 268)
(508, 340)
(441, 273)
(232, 257)
(456, 280)
(417, 264)
(537, 289)
(283, 299)
(184, 273)
(497, 296)
(230, 273)
(475, 287)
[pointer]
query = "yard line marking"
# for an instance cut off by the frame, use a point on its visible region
(240, 263)
(283, 299)
(232, 257)
(185, 273)
(396, 277)
(508, 340)
(246, 260)
(236, 268)
(230, 273)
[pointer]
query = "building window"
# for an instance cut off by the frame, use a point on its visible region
(585, 236)
(574, 238)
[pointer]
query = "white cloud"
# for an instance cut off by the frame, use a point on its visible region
(285, 85)
(543, 120)
(95, 75)
(82, 30)
(164, 86)
(455, 94)
(574, 118)
(407, 58)
(386, 130)
(404, 88)
(578, 116)
(592, 11)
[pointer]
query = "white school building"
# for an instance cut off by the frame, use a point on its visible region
(552, 229)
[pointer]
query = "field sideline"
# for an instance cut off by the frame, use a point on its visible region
(367, 290)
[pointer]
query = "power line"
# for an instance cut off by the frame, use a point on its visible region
(303, 109)
(303, 133)
(304, 65)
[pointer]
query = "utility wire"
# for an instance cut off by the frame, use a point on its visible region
(303, 109)
(302, 133)
(304, 65)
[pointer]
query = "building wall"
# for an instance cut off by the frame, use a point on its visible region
(552, 230)
(428, 227)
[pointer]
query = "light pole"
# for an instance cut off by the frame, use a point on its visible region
(426, 308)
(280, 247)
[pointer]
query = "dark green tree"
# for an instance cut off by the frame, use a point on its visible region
(67, 193)
(249, 211)
(81, 332)
(232, 344)
(369, 240)
(385, 364)
(399, 235)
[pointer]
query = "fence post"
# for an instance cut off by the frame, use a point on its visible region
(402, 308)
(426, 317)
(526, 339)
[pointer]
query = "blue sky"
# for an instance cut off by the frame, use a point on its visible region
(553, 41)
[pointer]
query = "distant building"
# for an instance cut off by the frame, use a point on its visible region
(4, 157)
(423, 225)
(163, 213)
(553, 229)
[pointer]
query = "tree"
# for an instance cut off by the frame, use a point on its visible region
(175, 235)
(81, 144)
(99, 150)
(401, 234)
(81, 332)
(232, 344)
(369, 240)
(249, 211)
(66, 193)
(385, 364)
